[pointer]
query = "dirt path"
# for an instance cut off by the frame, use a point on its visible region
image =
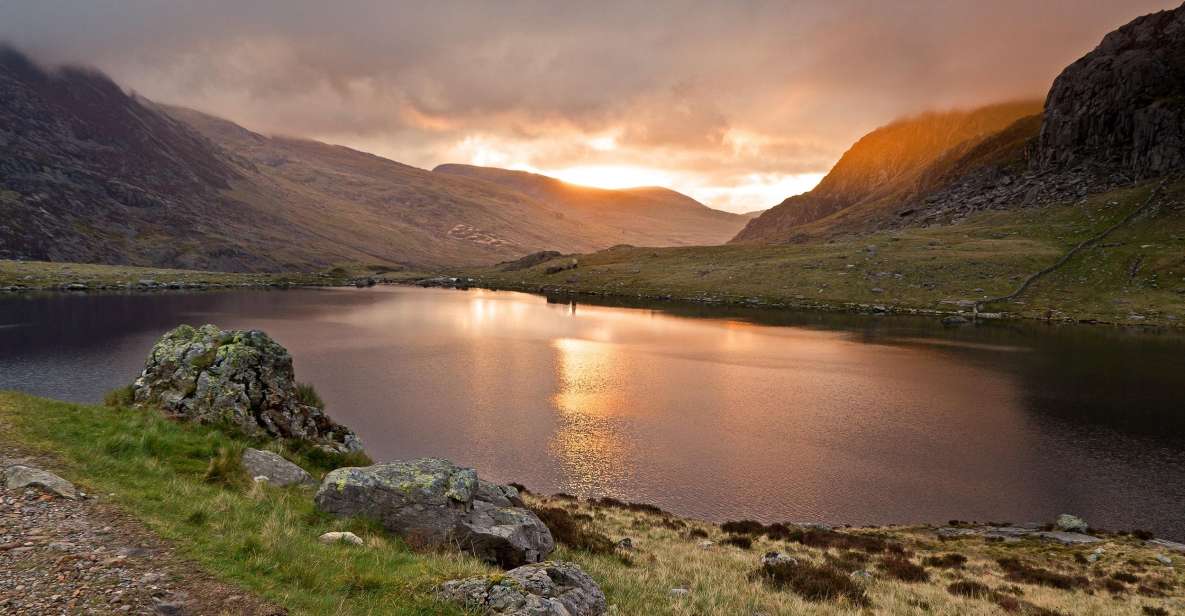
(60, 556)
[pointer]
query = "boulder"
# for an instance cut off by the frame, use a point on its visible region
(432, 502)
(277, 470)
(19, 476)
(543, 589)
(244, 378)
(1071, 524)
(340, 537)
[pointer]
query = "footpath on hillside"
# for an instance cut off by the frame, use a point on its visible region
(85, 556)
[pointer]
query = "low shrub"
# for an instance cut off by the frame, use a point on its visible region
(903, 569)
(822, 538)
(1016, 570)
(567, 530)
(1123, 576)
(969, 588)
(813, 582)
(741, 541)
(946, 561)
(848, 560)
(743, 527)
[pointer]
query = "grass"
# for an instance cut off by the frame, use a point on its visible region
(307, 394)
(1136, 276)
(42, 275)
(183, 481)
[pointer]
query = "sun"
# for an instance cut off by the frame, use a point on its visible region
(612, 176)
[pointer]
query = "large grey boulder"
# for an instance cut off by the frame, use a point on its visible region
(432, 502)
(19, 476)
(544, 589)
(244, 378)
(277, 470)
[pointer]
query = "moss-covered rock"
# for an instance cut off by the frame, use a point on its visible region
(241, 378)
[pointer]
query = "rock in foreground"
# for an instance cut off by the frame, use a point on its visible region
(432, 502)
(545, 589)
(19, 476)
(277, 470)
(245, 378)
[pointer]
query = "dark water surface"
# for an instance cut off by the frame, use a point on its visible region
(715, 413)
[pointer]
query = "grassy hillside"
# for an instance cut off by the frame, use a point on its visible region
(181, 480)
(1137, 275)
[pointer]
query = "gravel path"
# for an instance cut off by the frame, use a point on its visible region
(59, 556)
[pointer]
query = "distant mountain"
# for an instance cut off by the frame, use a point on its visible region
(649, 216)
(885, 167)
(92, 174)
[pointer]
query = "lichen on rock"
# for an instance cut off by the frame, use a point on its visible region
(432, 502)
(238, 377)
(543, 589)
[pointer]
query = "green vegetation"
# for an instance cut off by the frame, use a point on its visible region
(184, 482)
(42, 275)
(1137, 275)
(307, 394)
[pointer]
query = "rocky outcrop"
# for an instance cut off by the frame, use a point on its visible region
(432, 502)
(1122, 106)
(243, 378)
(545, 589)
(274, 468)
(19, 476)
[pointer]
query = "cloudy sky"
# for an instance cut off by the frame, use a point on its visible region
(738, 104)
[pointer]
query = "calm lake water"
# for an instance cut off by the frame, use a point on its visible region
(714, 413)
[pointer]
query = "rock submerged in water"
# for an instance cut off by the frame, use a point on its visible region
(241, 377)
(544, 589)
(432, 502)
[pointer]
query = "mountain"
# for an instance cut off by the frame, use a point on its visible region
(885, 167)
(92, 174)
(650, 216)
(1121, 107)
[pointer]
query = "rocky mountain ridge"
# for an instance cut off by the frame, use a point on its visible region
(1114, 117)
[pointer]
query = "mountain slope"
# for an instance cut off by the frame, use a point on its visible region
(91, 174)
(884, 167)
(650, 216)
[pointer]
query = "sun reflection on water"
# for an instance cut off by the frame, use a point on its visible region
(589, 441)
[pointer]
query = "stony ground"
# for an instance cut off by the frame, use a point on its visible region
(60, 556)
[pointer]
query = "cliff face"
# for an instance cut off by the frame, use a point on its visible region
(1122, 106)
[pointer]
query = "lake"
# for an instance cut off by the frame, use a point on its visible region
(717, 413)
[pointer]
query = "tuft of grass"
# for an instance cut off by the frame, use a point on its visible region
(307, 394)
(226, 467)
(739, 541)
(813, 582)
(120, 397)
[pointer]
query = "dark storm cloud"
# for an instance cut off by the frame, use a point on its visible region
(712, 90)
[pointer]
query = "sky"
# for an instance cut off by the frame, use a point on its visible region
(738, 104)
